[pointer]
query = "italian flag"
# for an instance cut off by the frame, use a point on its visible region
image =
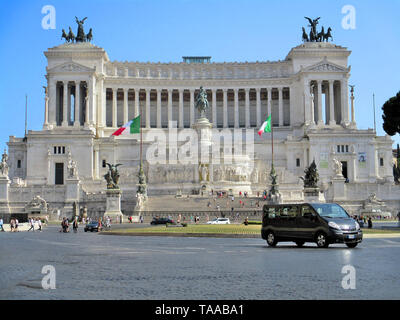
(266, 126)
(131, 127)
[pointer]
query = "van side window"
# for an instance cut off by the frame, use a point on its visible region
(306, 209)
(271, 213)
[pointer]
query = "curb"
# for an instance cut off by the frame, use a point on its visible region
(219, 235)
(197, 235)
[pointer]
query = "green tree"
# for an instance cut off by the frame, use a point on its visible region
(391, 115)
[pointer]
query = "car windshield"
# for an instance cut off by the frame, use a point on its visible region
(330, 210)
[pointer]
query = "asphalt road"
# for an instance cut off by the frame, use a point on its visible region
(93, 266)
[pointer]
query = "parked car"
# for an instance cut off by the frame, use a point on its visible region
(161, 221)
(322, 223)
(92, 226)
(220, 221)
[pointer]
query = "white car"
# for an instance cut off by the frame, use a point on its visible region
(219, 221)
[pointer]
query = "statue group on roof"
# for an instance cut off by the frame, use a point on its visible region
(81, 36)
(314, 35)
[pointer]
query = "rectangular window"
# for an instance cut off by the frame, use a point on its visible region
(59, 150)
(342, 148)
(381, 162)
(19, 164)
(297, 162)
(338, 148)
(104, 163)
(347, 148)
(55, 150)
(63, 148)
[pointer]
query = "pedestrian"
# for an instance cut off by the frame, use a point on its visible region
(12, 225)
(16, 225)
(141, 219)
(75, 225)
(1, 224)
(369, 223)
(31, 222)
(39, 221)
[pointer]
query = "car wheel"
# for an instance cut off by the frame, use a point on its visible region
(321, 240)
(352, 245)
(300, 243)
(271, 240)
(85, 230)
(91, 230)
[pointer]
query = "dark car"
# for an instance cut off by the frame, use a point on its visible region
(322, 223)
(162, 221)
(92, 226)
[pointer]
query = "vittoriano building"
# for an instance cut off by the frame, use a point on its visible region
(88, 97)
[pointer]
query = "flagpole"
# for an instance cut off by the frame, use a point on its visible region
(141, 136)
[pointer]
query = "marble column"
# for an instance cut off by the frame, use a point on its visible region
(247, 108)
(114, 108)
(96, 162)
(158, 108)
(331, 104)
(52, 91)
(77, 107)
(147, 108)
(104, 106)
(280, 106)
(169, 108)
(236, 107)
(258, 107)
(125, 106)
(180, 118)
(319, 92)
(345, 105)
(65, 104)
(137, 106)
(46, 111)
(214, 107)
(191, 106)
(225, 107)
(269, 102)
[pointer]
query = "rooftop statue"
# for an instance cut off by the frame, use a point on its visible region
(202, 102)
(314, 35)
(81, 36)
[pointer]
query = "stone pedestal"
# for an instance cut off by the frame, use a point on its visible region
(72, 193)
(71, 196)
(203, 128)
(313, 195)
(4, 186)
(339, 188)
(113, 204)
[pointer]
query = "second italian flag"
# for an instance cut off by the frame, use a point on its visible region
(266, 126)
(131, 127)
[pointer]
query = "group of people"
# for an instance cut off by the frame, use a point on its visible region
(32, 222)
(65, 225)
(362, 220)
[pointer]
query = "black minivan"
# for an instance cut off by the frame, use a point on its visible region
(322, 223)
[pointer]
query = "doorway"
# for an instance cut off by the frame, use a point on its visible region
(344, 170)
(59, 174)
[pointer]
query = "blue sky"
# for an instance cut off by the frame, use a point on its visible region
(166, 30)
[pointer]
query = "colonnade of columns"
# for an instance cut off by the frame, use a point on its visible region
(336, 101)
(213, 101)
(65, 112)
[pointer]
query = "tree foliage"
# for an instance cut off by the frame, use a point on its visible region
(391, 115)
